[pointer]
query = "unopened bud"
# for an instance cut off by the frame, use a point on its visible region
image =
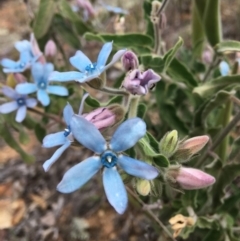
(36, 50)
(50, 49)
(143, 187)
(207, 56)
(19, 78)
(129, 61)
(224, 68)
(169, 143)
(156, 5)
(189, 178)
(190, 147)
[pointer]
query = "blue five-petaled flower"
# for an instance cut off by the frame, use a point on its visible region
(88, 70)
(63, 138)
(27, 58)
(19, 103)
(109, 157)
(40, 73)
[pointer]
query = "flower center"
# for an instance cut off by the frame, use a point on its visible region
(109, 159)
(21, 101)
(42, 85)
(22, 64)
(91, 68)
(67, 131)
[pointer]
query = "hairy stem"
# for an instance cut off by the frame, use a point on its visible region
(133, 107)
(113, 91)
(151, 214)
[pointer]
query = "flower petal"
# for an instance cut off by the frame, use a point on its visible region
(8, 107)
(87, 134)
(115, 58)
(89, 77)
(65, 76)
(80, 61)
(104, 54)
(57, 90)
(47, 164)
(37, 72)
(55, 139)
(115, 189)
(21, 113)
(68, 113)
(127, 134)
(31, 102)
(224, 68)
(8, 63)
(26, 88)
(79, 174)
(9, 92)
(23, 45)
(137, 168)
(43, 97)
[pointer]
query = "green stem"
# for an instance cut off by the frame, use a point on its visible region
(214, 63)
(112, 91)
(133, 107)
(156, 38)
(151, 214)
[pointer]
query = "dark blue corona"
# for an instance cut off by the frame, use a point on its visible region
(109, 159)
(21, 101)
(67, 131)
(91, 67)
(42, 85)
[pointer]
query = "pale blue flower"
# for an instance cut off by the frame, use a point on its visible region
(116, 10)
(62, 138)
(19, 103)
(40, 73)
(88, 70)
(224, 68)
(109, 157)
(27, 58)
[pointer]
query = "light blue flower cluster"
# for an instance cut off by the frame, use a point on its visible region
(19, 103)
(109, 157)
(27, 58)
(40, 73)
(88, 70)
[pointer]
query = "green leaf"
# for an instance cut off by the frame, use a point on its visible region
(65, 31)
(131, 40)
(217, 84)
(169, 56)
(214, 235)
(212, 22)
(67, 13)
(181, 73)
(161, 161)
(40, 132)
(153, 142)
(227, 174)
(228, 46)
(141, 110)
(154, 62)
(43, 18)
(230, 203)
(147, 6)
(114, 100)
(10, 140)
(23, 137)
(220, 98)
(146, 147)
(92, 102)
(29, 122)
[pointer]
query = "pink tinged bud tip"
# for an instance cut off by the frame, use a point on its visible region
(195, 144)
(129, 61)
(20, 78)
(101, 117)
(50, 48)
(191, 178)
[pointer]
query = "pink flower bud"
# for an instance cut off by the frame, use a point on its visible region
(191, 178)
(129, 61)
(101, 117)
(36, 50)
(20, 78)
(50, 48)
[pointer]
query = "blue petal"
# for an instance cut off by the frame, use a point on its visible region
(8, 63)
(15, 70)
(31, 102)
(25, 57)
(224, 68)
(37, 72)
(65, 76)
(79, 174)
(9, 92)
(8, 107)
(89, 77)
(104, 54)
(23, 45)
(43, 97)
(26, 88)
(21, 113)
(115, 58)
(137, 168)
(68, 113)
(55, 139)
(47, 164)
(87, 134)
(48, 69)
(127, 134)
(80, 61)
(115, 189)
(57, 90)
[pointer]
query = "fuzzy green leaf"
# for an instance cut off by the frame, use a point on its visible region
(228, 46)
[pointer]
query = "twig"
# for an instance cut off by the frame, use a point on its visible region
(151, 214)
(163, 6)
